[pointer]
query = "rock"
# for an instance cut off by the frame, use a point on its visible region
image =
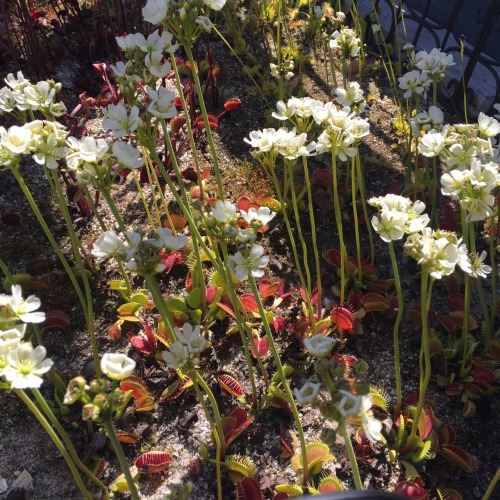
(22, 487)
(3, 485)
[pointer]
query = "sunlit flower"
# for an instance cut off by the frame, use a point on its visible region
(308, 393)
(260, 217)
(435, 63)
(319, 346)
(224, 212)
(477, 267)
(155, 11)
(431, 144)
(127, 156)
(122, 119)
(191, 338)
(249, 262)
(10, 339)
(14, 306)
(390, 224)
(24, 366)
(16, 139)
(170, 241)
(347, 41)
(117, 366)
(488, 127)
(349, 405)
(215, 4)
(161, 104)
(371, 425)
(353, 94)
(157, 65)
(176, 356)
(107, 245)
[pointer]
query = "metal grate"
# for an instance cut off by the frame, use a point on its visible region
(446, 24)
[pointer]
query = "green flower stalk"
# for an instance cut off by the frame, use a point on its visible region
(55, 439)
(351, 456)
(279, 368)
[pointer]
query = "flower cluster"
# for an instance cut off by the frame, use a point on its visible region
(20, 96)
(146, 62)
(45, 140)
(21, 364)
(339, 129)
(189, 344)
(347, 41)
(397, 216)
(437, 251)
(415, 82)
(141, 255)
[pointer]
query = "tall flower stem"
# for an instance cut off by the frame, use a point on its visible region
(313, 236)
(361, 187)
(425, 356)
(204, 113)
(397, 363)
(355, 215)
(492, 485)
(117, 447)
(93, 207)
(338, 220)
(296, 259)
(351, 456)
(279, 368)
(55, 439)
(161, 306)
(67, 441)
(51, 238)
(493, 277)
(242, 328)
(217, 431)
(289, 172)
(75, 245)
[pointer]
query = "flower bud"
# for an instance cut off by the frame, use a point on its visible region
(328, 436)
(101, 400)
(98, 385)
(75, 390)
(360, 367)
(90, 412)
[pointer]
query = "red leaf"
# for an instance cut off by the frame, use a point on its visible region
(227, 308)
(456, 302)
(267, 288)
(56, 319)
(343, 318)
(245, 203)
(211, 293)
(230, 385)
(153, 461)
(249, 302)
(332, 256)
(279, 324)
(259, 346)
(248, 489)
(374, 302)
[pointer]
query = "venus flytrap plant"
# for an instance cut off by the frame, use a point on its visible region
(103, 404)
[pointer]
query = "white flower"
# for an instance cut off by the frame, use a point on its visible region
(390, 224)
(349, 405)
(308, 393)
(127, 156)
(155, 11)
(87, 150)
(477, 266)
(376, 28)
(155, 41)
(215, 4)
(191, 338)
(460, 158)
(224, 212)
(205, 23)
(371, 425)
(48, 151)
(7, 100)
(16, 139)
(16, 83)
(10, 339)
(20, 308)
(117, 366)
(347, 41)
(253, 262)
(452, 183)
(414, 82)
(156, 65)
(25, 364)
(488, 127)
(170, 241)
(435, 62)
(176, 356)
(431, 144)
(127, 42)
(262, 217)
(263, 140)
(117, 118)
(353, 94)
(107, 245)
(161, 104)
(319, 346)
